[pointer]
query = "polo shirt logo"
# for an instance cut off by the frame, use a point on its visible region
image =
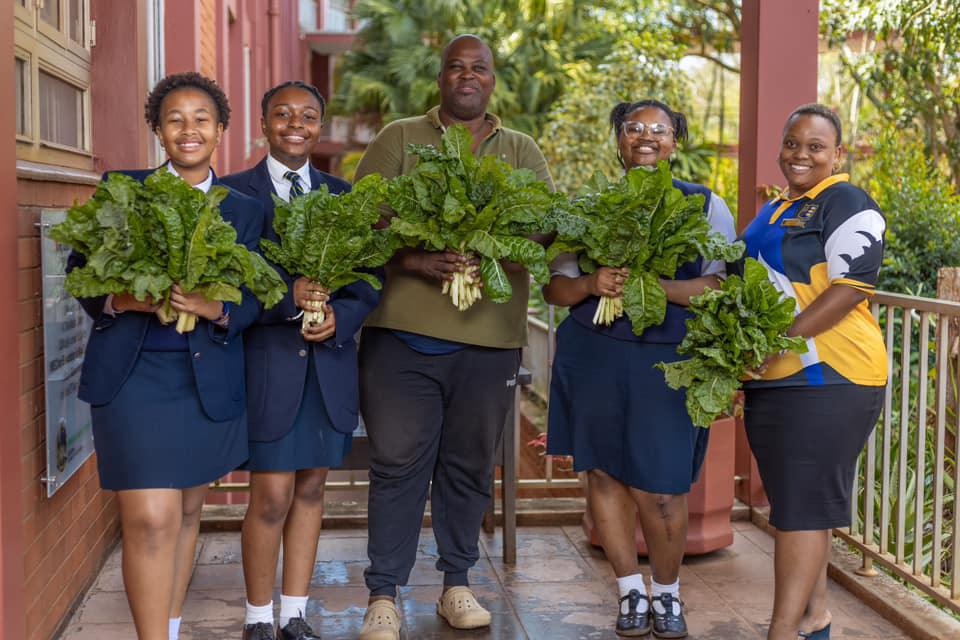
(805, 214)
(807, 211)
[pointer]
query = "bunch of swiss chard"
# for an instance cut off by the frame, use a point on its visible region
(732, 331)
(645, 224)
(454, 201)
(330, 238)
(144, 238)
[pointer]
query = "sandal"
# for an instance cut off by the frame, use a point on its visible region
(819, 634)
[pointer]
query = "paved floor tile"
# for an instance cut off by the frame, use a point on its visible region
(561, 588)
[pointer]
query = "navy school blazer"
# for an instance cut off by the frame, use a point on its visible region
(216, 353)
(276, 351)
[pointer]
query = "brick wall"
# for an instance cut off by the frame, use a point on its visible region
(66, 537)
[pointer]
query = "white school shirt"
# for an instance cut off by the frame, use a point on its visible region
(281, 185)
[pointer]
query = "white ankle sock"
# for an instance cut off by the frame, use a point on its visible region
(173, 628)
(672, 589)
(292, 607)
(261, 613)
(628, 583)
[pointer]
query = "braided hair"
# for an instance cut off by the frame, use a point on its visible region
(309, 88)
(619, 113)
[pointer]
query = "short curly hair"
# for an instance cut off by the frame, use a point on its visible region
(185, 80)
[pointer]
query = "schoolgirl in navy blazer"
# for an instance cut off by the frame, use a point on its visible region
(302, 383)
(277, 359)
(216, 352)
(169, 410)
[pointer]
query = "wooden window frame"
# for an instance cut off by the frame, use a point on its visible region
(55, 53)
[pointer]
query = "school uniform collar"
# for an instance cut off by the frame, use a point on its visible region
(203, 186)
(816, 190)
(278, 170)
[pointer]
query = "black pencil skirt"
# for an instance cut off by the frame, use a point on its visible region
(806, 441)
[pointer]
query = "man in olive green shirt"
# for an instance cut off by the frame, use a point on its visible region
(436, 383)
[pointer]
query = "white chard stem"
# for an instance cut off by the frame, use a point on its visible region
(464, 289)
(186, 322)
(608, 310)
(312, 319)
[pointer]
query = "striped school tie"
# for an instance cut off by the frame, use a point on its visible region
(296, 187)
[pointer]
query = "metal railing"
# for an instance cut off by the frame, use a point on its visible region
(905, 508)
(538, 358)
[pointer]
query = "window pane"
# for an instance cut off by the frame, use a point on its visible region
(61, 112)
(20, 78)
(51, 12)
(76, 21)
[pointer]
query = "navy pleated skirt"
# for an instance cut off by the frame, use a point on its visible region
(155, 435)
(611, 410)
(311, 443)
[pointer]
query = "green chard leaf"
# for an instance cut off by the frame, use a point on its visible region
(454, 201)
(142, 238)
(643, 223)
(329, 238)
(733, 329)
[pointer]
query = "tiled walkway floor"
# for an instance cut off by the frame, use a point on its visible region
(561, 588)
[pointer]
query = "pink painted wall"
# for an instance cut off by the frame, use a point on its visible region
(120, 136)
(788, 77)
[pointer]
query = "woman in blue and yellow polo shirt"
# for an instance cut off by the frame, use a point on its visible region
(809, 415)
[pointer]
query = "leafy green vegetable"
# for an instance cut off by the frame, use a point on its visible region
(641, 222)
(732, 331)
(329, 238)
(454, 201)
(142, 238)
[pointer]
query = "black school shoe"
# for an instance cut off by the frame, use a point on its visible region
(667, 624)
(633, 623)
(259, 631)
(298, 629)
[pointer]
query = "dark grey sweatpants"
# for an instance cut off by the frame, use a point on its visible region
(430, 417)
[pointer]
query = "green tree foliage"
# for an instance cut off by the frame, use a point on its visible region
(393, 72)
(577, 139)
(904, 54)
(705, 28)
(922, 211)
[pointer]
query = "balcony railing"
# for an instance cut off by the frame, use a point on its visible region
(906, 514)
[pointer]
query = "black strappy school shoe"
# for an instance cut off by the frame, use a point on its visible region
(633, 623)
(668, 624)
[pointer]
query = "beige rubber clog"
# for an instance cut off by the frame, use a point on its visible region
(459, 607)
(381, 621)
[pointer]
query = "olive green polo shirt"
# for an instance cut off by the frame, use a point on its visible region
(411, 303)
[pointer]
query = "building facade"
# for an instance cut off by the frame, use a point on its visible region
(81, 70)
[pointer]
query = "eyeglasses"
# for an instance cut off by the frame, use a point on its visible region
(633, 129)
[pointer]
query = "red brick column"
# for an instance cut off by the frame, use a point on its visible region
(778, 71)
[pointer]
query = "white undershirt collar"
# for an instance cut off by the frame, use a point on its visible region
(203, 186)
